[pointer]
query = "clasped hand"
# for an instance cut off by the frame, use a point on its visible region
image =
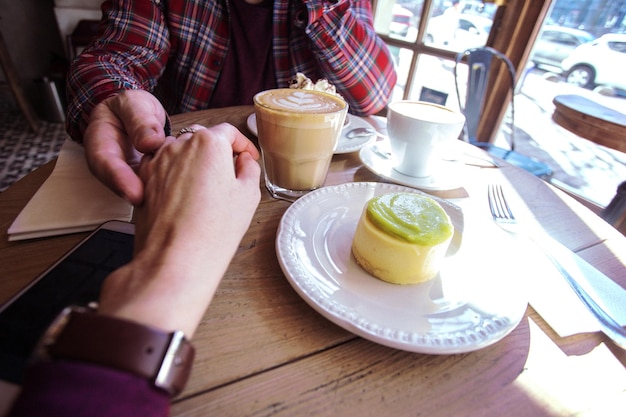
(121, 130)
(198, 195)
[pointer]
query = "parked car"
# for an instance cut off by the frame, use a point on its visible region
(555, 43)
(478, 7)
(601, 62)
(472, 32)
(401, 20)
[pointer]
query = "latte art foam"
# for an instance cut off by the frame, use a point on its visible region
(301, 101)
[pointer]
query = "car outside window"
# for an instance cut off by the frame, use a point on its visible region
(567, 40)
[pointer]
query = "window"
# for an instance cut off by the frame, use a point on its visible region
(425, 61)
(618, 46)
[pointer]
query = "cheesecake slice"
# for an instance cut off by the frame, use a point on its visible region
(402, 238)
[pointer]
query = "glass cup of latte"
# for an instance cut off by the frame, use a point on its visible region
(298, 131)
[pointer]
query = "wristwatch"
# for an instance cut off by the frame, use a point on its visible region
(81, 334)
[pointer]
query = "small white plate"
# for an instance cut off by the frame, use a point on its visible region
(351, 142)
(347, 142)
(447, 175)
(474, 302)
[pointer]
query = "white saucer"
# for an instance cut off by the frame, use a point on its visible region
(346, 144)
(476, 299)
(349, 142)
(251, 123)
(376, 156)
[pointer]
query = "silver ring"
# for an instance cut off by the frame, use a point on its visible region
(184, 130)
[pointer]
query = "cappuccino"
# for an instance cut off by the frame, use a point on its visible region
(298, 131)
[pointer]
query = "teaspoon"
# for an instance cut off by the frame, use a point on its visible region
(360, 132)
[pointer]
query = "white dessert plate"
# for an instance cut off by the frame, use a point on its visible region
(472, 303)
(447, 175)
(348, 142)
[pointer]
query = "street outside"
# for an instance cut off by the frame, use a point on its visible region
(588, 169)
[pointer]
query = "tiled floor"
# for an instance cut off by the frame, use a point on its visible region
(21, 150)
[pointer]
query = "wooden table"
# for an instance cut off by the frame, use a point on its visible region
(591, 120)
(261, 350)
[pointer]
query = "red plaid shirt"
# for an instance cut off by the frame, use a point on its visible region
(181, 45)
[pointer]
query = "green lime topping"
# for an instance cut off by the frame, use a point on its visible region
(411, 217)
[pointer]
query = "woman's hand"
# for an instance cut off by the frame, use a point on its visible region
(201, 191)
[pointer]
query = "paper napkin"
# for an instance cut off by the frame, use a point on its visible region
(554, 300)
(71, 200)
(546, 290)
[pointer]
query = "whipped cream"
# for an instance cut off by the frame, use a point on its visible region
(302, 82)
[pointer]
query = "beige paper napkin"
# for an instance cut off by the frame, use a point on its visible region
(71, 200)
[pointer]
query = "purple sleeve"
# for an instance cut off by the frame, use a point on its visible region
(75, 389)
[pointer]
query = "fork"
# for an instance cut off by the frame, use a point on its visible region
(503, 216)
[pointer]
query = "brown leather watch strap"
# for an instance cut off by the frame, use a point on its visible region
(164, 358)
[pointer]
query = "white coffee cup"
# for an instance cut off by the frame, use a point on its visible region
(418, 133)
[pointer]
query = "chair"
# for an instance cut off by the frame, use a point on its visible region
(479, 64)
(84, 32)
(13, 81)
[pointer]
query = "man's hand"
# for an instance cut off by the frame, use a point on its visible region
(121, 129)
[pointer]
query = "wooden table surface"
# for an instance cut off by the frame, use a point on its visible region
(261, 350)
(591, 120)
